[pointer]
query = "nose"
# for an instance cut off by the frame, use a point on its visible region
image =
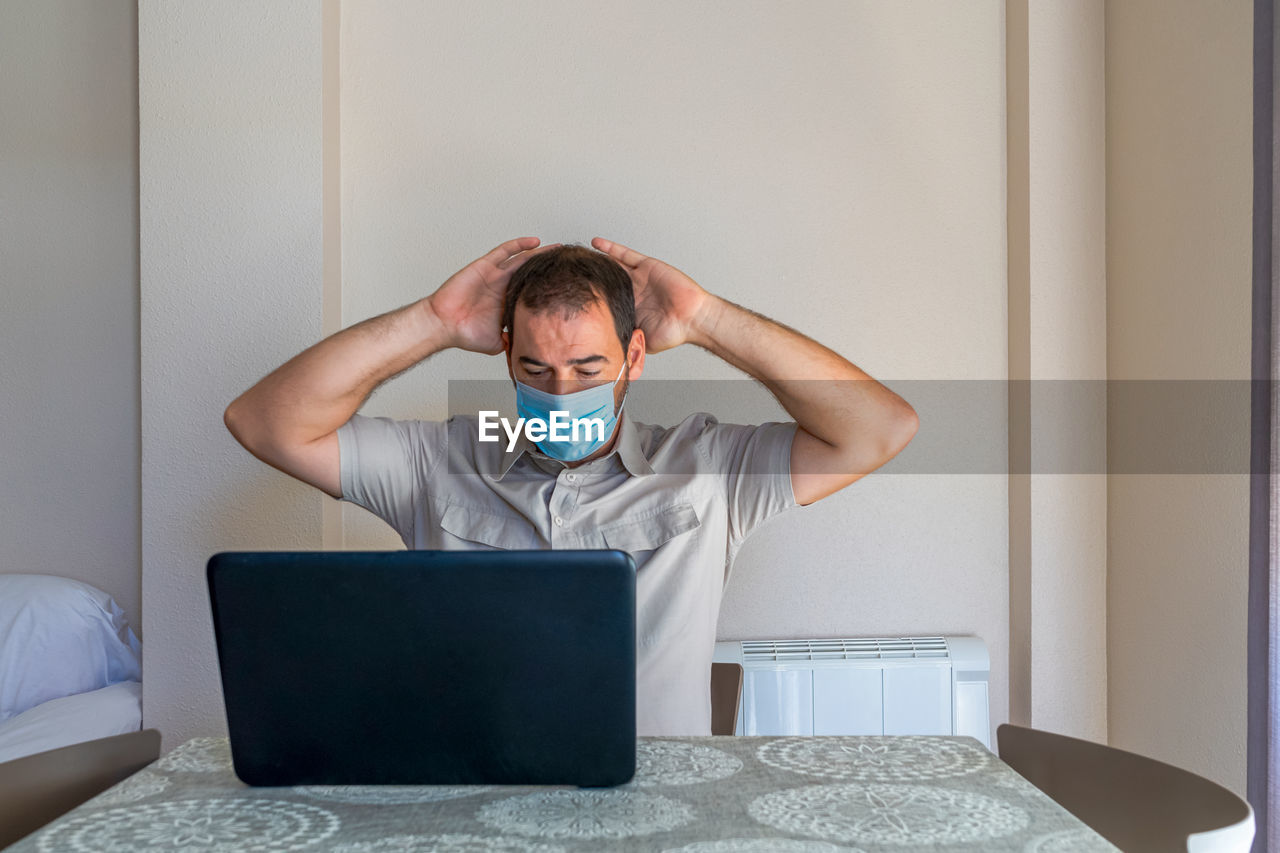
(564, 383)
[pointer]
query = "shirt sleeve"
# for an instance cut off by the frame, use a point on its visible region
(384, 463)
(754, 464)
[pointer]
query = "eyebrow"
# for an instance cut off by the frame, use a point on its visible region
(524, 359)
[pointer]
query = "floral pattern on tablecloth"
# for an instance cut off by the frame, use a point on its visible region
(669, 762)
(880, 813)
(760, 845)
(690, 795)
(586, 813)
(139, 786)
(198, 755)
(389, 795)
(214, 826)
(1069, 841)
(875, 759)
(457, 843)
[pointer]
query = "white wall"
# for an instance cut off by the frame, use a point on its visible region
(1179, 226)
(843, 172)
(839, 170)
(240, 132)
(69, 293)
(853, 155)
(231, 223)
(1067, 361)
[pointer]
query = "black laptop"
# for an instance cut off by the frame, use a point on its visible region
(427, 667)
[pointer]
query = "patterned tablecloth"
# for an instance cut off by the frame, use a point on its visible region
(694, 795)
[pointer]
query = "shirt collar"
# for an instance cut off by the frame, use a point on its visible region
(627, 447)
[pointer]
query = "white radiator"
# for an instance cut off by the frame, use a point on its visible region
(871, 686)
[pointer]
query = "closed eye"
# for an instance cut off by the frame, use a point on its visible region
(543, 372)
(582, 374)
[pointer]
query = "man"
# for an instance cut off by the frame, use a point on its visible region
(575, 326)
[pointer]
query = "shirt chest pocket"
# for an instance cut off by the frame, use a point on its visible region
(486, 531)
(649, 532)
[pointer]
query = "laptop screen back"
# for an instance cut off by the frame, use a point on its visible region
(427, 667)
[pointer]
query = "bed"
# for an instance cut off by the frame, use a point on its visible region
(70, 665)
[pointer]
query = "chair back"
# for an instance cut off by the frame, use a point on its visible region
(1135, 802)
(726, 696)
(36, 789)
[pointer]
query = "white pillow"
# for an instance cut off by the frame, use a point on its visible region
(59, 637)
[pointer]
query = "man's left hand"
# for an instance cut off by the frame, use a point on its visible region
(669, 305)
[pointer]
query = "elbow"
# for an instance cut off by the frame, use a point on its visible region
(905, 427)
(880, 444)
(910, 425)
(236, 421)
(228, 418)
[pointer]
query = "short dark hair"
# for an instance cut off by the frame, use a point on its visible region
(570, 278)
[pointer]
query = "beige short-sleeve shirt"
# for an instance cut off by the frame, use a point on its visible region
(680, 500)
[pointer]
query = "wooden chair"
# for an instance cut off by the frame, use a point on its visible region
(1136, 803)
(726, 696)
(36, 789)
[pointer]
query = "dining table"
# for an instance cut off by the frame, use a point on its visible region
(811, 794)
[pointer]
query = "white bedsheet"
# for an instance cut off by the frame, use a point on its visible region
(112, 710)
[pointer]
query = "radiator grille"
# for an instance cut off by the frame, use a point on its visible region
(867, 648)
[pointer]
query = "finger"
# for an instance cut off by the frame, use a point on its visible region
(619, 252)
(510, 248)
(514, 263)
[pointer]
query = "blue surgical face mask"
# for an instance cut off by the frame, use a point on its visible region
(594, 402)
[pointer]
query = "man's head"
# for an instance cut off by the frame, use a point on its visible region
(569, 322)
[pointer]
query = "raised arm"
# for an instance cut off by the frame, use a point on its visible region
(291, 417)
(849, 424)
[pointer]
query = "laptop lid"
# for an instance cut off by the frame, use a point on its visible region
(427, 667)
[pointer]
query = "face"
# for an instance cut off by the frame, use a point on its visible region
(561, 355)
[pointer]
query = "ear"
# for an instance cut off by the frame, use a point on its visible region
(635, 354)
(506, 348)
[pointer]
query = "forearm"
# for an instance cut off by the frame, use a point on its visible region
(831, 398)
(318, 390)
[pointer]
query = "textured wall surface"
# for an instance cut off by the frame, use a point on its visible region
(69, 293)
(230, 189)
(839, 170)
(842, 172)
(1179, 226)
(1067, 323)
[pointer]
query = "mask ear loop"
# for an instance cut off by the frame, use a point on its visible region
(623, 402)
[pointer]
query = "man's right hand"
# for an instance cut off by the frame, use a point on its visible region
(469, 304)
(291, 417)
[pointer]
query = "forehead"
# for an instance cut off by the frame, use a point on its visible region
(552, 336)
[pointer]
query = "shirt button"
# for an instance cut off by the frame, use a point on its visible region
(559, 521)
(572, 478)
